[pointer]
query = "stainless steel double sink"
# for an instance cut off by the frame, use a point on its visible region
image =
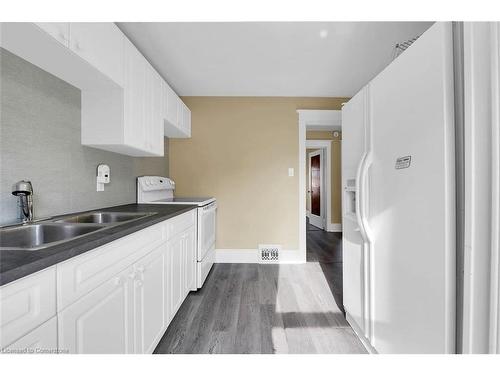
(36, 236)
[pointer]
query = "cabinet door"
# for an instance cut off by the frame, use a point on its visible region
(176, 274)
(41, 340)
(25, 304)
(101, 44)
(189, 244)
(186, 120)
(58, 30)
(172, 106)
(135, 97)
(164, 98)
(157, 125)
(149, 300)
(102, 320)
(153, 119)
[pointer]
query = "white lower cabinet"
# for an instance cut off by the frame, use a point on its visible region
(190, 259)
(25, 304)
(150, 300)
(101, 321)
(118, 298)
(42, 340)
(176, 274)
(182, 254)
(131, 311)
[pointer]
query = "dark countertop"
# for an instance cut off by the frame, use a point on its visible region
(15, 264)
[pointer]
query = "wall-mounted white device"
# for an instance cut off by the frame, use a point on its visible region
(103, 175)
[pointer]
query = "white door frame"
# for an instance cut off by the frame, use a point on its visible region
(310, 118)
(325, 149)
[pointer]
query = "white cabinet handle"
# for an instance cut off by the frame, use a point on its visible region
(118, 280)
(138, 283)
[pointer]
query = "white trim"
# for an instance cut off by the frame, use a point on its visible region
(309, 117)
(321, 118)
(358, 333)
(308, 213)
(324, 128)
(252, 256)
(334, 227)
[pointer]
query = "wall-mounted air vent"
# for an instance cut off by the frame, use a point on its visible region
(269, 253)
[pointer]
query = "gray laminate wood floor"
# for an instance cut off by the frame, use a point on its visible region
(253, 308)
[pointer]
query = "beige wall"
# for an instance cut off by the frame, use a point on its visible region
(240, 152)
(154, 166)
(336, 177)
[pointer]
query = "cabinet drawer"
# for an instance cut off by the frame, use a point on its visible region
(80, 275)
(25, 304)
(42, 340)
(180, 223)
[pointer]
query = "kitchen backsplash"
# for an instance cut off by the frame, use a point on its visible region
(40, 119)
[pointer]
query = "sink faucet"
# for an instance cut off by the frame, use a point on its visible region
(24, 190)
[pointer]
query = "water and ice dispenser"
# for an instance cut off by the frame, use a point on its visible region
(350, 197)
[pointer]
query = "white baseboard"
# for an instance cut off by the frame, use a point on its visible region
(335, 227)
(360, 335)
(252, 256)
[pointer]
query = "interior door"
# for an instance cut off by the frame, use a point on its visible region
(411, 199)
(315, 186)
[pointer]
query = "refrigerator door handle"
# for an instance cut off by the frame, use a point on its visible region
(361, 195)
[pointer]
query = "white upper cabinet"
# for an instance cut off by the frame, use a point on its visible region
(186, 119)
(101, 45)
(58, 30)
(178, 116)
(135, 97)
(127, 107)
(172, 105)
(143, 107)
(154, 118)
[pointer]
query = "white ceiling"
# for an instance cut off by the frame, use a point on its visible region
(270, 58)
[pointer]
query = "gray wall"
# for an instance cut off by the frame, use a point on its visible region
(40, 141)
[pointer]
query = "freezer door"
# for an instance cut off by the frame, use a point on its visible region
(411, 199)
(353, 149)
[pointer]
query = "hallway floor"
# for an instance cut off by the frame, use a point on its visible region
(255, 308)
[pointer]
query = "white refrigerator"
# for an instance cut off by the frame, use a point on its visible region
(399, 202)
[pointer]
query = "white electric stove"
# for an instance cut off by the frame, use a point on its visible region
(160, 190)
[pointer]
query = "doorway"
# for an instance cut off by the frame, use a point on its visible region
(316, 188)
